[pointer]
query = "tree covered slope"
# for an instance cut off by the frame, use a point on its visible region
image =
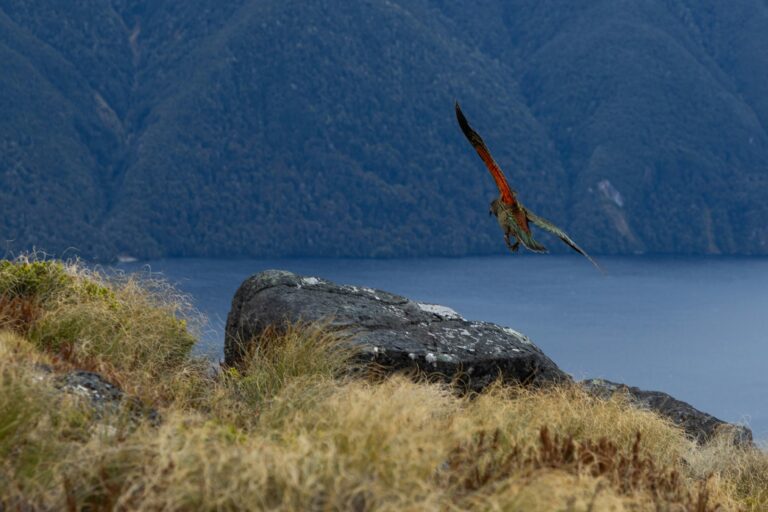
(292, 128)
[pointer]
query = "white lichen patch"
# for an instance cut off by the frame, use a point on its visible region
(441, 311)
(430, 358)
(368, 291)
(395, 311)
(83, 391)
(520, 335)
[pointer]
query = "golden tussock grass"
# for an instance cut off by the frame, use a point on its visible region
(291, 428)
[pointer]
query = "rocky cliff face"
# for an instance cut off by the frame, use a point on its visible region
(398, 334)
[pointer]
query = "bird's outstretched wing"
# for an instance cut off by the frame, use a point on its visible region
(507, 194)
(548, 226)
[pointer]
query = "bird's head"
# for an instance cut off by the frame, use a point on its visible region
(495, 207)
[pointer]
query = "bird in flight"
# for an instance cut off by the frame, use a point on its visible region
(513, 217)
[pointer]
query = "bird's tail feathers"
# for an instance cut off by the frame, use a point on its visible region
(562, 235)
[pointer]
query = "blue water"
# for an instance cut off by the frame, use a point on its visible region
(694, 328)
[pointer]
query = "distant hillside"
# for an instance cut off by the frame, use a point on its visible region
(325, 128)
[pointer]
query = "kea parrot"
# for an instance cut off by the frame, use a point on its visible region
(515, 220)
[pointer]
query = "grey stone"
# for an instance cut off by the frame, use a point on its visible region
(698, 425)
(89, 385)
(102, 395)
(390, 330)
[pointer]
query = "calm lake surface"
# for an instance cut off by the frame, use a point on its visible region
(694, 328)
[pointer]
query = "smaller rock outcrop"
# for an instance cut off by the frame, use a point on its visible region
(392, 331)
(92, 386)
(699, 425)
(104, 397)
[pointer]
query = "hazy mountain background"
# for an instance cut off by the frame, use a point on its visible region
(326, 128)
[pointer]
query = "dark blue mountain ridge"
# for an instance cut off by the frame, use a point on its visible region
(286, 128)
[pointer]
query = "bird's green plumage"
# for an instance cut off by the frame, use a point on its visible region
(505, 215)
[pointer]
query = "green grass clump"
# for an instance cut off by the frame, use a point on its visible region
(29, 278)
(132, 329)
(303, 361)
(44, 281)
(285, 355)
(293, 427)
(130, 334)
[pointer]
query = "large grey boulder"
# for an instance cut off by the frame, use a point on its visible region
(390, 330)
(698, 425)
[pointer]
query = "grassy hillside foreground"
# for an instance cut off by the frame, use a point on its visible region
(292, 430)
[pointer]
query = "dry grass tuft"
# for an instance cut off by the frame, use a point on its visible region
(742, 471)
(281, 355)
(18, 313)
(395, 445)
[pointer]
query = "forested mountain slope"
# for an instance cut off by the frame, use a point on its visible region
(326, 128)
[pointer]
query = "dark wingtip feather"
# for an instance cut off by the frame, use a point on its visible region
(584, 253)
(463, 123)
(469, 133)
